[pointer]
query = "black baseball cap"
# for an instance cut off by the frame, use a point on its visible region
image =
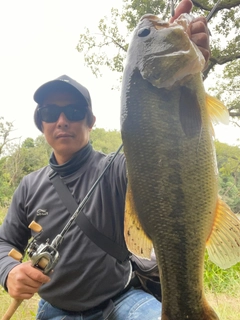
(62, 82)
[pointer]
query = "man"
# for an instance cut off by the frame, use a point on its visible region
(87, 283)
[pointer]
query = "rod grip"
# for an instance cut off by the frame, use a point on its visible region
(15, 303)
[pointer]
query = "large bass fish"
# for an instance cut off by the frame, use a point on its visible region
(172, 197)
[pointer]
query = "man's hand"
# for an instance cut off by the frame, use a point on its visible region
(200, 36)
(198, 28)
(24, 281)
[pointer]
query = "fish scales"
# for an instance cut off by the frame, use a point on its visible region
(165, 161)
(172, 172)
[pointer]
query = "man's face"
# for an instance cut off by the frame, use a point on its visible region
(64, 136)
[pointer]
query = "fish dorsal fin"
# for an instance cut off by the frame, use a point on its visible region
(223, 244)
(217, 110)
(136, 239)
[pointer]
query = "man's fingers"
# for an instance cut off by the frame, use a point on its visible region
(24, 280)
(201, 40)
(199, 25)
(200, 36)
(185, 6)
(206, 54)
(37, 275)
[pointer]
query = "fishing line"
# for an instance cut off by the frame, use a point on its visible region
(209, 16)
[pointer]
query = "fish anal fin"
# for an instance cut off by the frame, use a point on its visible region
(216, 110)
(223, 244)
(136, 239)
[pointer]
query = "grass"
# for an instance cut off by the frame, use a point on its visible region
(226, 306)
(26, 311)
(222, 289)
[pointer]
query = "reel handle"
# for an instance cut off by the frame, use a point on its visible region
(15, 255)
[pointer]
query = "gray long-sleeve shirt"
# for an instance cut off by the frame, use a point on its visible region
(85, 275)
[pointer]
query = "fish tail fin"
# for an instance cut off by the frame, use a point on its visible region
(217, 110)
(136, 239)
(223, 245)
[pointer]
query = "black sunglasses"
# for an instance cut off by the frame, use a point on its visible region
(51, 112)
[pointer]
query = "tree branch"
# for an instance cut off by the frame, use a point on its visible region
(219, 60)
(222, 5)
(113, 41)
(235, 114)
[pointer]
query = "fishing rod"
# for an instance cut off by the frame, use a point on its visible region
(45, 256)
(209, 16)
(170, 7)
(56, 242)
(172, 3)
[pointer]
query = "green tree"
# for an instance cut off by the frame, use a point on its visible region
(27, 157)
(35, 154)
(228, 159)
(6, 189)
(108, 47)
(6, 129)
(105, 141)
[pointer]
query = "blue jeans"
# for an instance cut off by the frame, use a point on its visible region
(135, 304)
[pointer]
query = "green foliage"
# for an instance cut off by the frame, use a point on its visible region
(26, 311)
(35, 153)
(133, 10)
(3, 212)
(6, 190)
(23, 159)
(229, 87)
(228, 160)
(28, 157)
(108, 48)
(105, 141)
(221, 280)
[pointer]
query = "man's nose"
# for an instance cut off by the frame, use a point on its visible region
(62, 121)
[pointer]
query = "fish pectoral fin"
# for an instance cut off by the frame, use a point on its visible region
(217, 110)
(223, 244)
(136, 239)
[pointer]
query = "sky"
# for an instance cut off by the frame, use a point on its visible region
(38, 44)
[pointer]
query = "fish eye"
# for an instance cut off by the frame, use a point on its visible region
(143, 32)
